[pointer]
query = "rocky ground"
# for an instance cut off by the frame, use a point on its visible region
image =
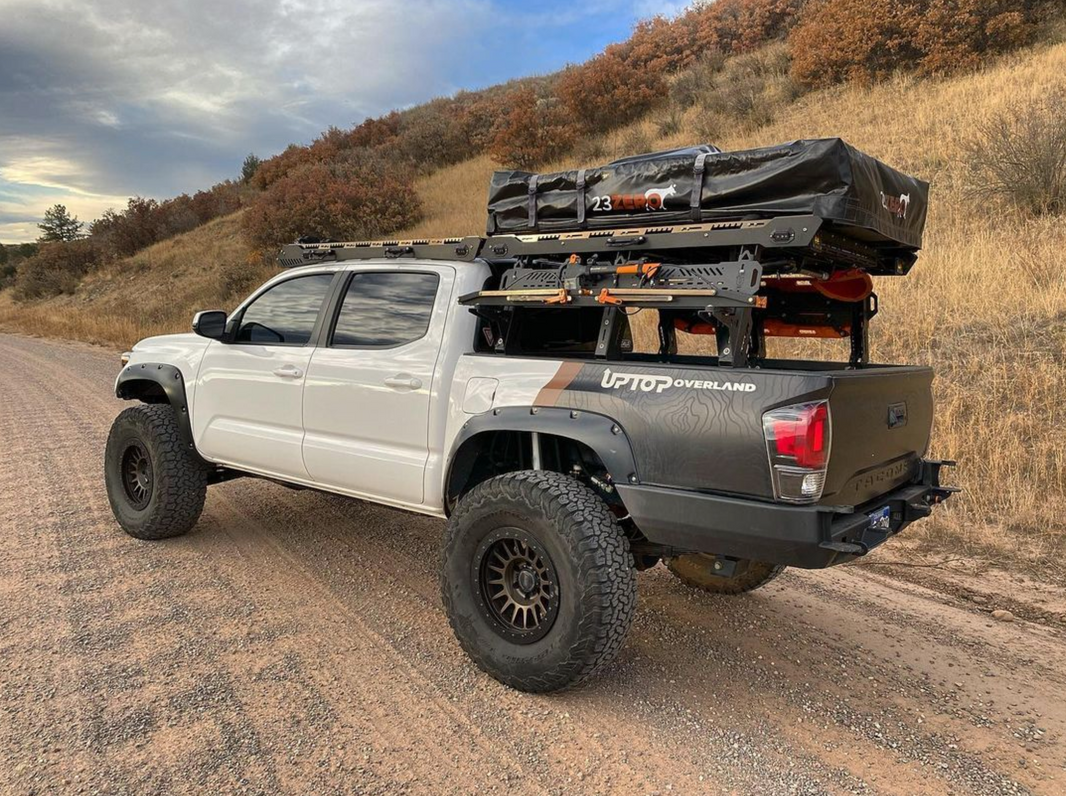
(295, 643)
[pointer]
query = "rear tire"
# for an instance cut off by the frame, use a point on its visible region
(156, 483)
(537, 580)
(697, 571)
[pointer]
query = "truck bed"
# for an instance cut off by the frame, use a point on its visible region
(699, 427)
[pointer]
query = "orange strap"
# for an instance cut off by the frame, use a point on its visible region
(605, 297)
(774, 328)
(644, 269)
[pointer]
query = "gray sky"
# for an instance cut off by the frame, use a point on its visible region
(104, 99)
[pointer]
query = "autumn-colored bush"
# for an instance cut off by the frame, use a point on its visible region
(220, 200)
(359, 196)
(866, 40)
(609, 90)
(958, 34)
(531, 130)
(123, 233)
(273, 169)
(372, 133)
(1019, 154)
(56, 268)
(739, 26)
(432, 135)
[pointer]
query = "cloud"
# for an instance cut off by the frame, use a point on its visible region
(103, 99)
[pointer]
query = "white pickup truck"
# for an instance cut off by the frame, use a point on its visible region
(563, 457)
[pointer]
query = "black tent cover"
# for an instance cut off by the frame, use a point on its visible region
(858, 194)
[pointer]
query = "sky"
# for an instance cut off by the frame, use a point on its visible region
(101, 100)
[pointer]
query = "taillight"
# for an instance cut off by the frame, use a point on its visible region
(797, 441)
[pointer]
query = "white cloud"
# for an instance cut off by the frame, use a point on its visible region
(102, 99)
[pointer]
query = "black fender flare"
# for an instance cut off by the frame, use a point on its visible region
(602, 434)
(130, 386)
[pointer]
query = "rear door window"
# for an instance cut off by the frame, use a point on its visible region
(385, 310)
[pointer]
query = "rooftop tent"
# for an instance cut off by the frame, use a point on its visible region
(854, 193)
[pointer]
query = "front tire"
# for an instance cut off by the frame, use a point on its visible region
(156, 483)
(537, 580)
(697, 571)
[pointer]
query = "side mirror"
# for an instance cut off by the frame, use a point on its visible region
(210, 323)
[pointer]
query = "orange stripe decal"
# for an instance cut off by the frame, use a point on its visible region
(551, 391)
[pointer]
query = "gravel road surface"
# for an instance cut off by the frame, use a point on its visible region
(294, 642)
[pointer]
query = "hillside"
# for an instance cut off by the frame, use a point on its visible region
(986, 304)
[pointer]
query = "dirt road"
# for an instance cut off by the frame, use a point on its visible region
(295, 643)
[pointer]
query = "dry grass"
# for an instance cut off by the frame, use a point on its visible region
(986, 304)
(156, 291)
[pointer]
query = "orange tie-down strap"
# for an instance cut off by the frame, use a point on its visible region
(771, 328)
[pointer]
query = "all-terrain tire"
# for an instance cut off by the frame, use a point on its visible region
(164, 497)
(570, 531)
(696, 570)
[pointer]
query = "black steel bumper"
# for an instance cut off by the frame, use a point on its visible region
(811, 537)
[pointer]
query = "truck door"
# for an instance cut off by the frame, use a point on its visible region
(368, 388)
(249, 392)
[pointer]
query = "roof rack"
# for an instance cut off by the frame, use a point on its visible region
(743, 278)
(799, 236)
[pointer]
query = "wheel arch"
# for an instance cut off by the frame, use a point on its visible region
(595, 439)
(157, 383)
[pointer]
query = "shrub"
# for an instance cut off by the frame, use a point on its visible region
(220, 200)
(136, 227)
(738, 26)
(690, 86)
(609, 90)
(373, 133)
(1019, 155)
(956, 34)
(273, 169)
(866, 40)
(57, 268)
(751, 88)
(532, 131)
(477, 114)
(357, 197)
(669, 122)
(432, 135)
(8, 272)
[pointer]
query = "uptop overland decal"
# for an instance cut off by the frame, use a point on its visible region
(686, 426)
(613, 380)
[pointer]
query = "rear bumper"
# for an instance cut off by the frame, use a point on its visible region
(811, 537)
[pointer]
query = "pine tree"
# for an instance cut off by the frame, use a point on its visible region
(3, 254)
(250, 167)
(58, 224)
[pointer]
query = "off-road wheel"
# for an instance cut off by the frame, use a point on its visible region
(537, 580)
(156, 484)
(697, 570)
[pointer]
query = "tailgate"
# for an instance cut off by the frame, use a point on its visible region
(881, 421)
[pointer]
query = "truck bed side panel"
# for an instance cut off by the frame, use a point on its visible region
(690, 428)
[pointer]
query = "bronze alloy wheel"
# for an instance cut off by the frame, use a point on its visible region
(518, 586)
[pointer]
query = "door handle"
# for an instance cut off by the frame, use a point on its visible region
(288, 372)
(403, 381)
